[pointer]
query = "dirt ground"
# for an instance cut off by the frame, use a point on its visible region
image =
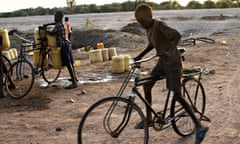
(51, 115)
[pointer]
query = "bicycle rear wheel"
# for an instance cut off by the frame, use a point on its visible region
(49, 73)
(22, 77)
(194, 94)
(100, 123)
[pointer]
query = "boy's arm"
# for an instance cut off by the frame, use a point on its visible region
(144, 52)
(51, 32)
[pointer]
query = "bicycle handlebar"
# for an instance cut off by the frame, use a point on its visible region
(44, 26)
(22, 38)
(133, 62)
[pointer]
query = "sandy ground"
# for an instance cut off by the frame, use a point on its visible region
(51, 115)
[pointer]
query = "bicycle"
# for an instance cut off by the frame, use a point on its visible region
(192, 41)
(112, 119)
(23, 71)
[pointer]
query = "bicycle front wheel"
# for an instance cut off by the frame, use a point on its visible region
(7, 63)
(49, 73)
(194, 94)
(22, 76)
(108, 122)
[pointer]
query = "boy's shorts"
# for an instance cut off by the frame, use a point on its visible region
(173, 78)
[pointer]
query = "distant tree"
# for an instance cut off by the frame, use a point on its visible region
(175, 5)
(115, 7)
(194, 5)
(235, 3)
(165, 5)
(93, 8)
(128, 6)
(208, 4)
(223, 4)
(41, 11)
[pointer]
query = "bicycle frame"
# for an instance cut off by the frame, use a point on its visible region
(140, 82)
(117, 113)
(42, 49)
(135, 73)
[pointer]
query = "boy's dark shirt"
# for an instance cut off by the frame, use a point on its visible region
(164, 39)
(59, 30)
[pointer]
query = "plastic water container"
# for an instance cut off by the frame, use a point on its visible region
(7, 54)
(95, 56)
(38, 35)
(38, 61)
(51, 39)
(127, 59)
(5, 38)
(56, 58)
(77, 63)
(28, 47)
(15, 53)
(11, 53)
(105, 54)
(100, 45)
(112, 52)
(118, 64)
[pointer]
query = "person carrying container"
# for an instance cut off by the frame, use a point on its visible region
(66, 48)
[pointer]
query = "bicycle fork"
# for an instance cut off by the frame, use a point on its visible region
(126, 117)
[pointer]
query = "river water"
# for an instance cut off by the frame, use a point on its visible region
(182, 20)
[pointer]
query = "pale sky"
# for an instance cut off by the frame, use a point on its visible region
(11, 5)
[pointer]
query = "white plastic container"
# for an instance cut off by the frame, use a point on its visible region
(118, 64)
(5, 38)
(38, 35)
(112, 52)
(38, 61)
(127, 59)
(7, 54)
(95, 56)
(105, 54)
(56, 58)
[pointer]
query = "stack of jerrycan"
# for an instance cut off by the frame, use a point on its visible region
(51, 42)
(11, 53)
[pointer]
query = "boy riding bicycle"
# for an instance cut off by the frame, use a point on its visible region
(164, 40)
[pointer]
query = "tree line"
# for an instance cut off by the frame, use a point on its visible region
(121, 7)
